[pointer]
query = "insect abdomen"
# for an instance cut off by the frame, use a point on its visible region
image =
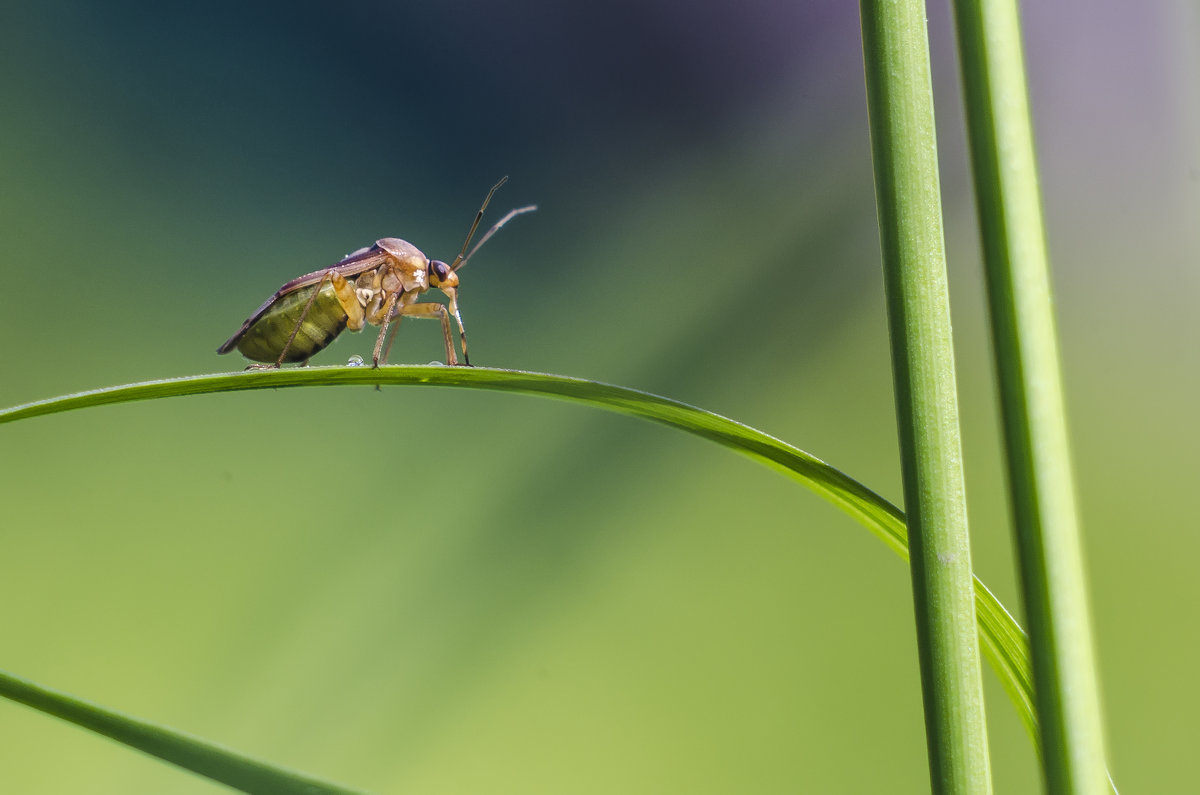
(263, 341)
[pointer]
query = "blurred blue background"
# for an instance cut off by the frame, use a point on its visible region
(436, 591)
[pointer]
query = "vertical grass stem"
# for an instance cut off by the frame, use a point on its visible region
(904, 148)
(1023, 332)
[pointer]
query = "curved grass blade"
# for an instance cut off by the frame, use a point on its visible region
(191, 753)
(1003, 641)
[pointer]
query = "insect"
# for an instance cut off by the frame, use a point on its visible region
(378, 284)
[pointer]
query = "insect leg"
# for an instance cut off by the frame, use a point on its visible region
(452, 294)
(303, 314)
(432, 310)
(346, 297)
(389, 308)
(387, 349)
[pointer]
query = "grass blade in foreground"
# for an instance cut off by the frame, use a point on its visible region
(219, 764)
(1003, 641)
(904, 152)
(1027, 362)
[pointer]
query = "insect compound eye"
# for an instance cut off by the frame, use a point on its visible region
(440, 269)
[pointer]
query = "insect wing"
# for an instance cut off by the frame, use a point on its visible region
(360, 261)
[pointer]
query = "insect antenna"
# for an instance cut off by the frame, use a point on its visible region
(475, 225)
(463, 256)
(496, 228)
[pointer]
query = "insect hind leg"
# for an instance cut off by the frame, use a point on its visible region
(346, 297)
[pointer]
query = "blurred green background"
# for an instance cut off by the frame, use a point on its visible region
(439, 591)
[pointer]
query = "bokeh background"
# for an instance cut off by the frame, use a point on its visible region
(438, 591)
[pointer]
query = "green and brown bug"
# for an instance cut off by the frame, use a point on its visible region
(378, 284)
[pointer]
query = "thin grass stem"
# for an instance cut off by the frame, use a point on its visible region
(1041, 484)
(904, 148)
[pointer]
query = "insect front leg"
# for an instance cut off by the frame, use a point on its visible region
(452, 294)
(432, 310)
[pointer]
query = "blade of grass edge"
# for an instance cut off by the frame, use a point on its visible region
(1004, 642)
(191, 753)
